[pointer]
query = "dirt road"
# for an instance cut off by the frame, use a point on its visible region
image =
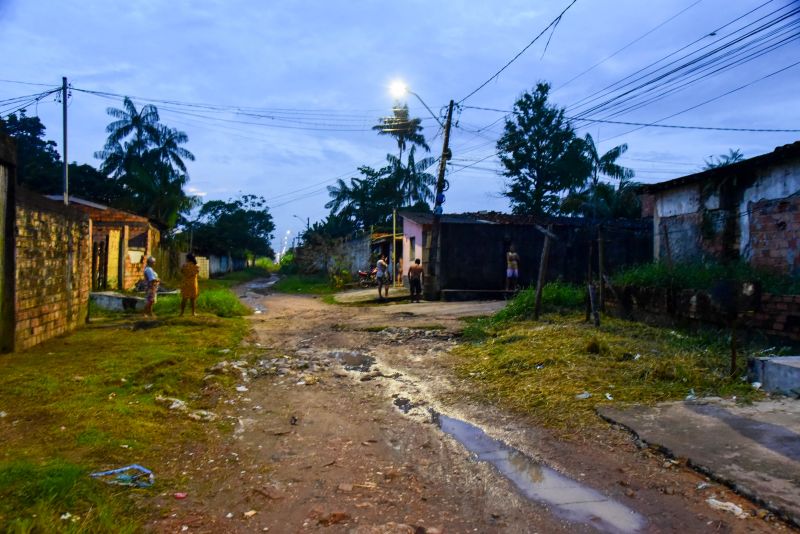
(349, 419)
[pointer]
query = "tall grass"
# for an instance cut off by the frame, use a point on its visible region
(555, 295)
(220, 302)
(703, 275)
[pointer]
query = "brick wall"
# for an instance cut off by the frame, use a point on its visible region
(777, 315)
(775, 235)
(53, 269)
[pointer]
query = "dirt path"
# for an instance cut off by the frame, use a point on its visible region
(344, 425)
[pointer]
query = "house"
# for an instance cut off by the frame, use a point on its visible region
(121, 242)
(474, 247)
(748, 210)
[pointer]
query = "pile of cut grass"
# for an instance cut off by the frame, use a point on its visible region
(539, 367)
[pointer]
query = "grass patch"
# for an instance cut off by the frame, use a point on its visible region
(538, 368)
(704, 276)
(85, 402)
(305, 284)
(220, 302)
(555, 296)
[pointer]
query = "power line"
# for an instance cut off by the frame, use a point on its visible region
(655, 123)
(552, 24)
(681, 12)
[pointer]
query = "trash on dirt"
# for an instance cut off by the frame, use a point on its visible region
(609, 397)
(691, 396)
(250, 513)
(584, 395)
(242, 389)
(293, 420)
(636, 356)
(756, 385)
(345, 488)
(727, 507)
(229, 515)
(3, 414)
(180, 495)
(202, 415)
(131, 475)
(172, 403)
(703, 485)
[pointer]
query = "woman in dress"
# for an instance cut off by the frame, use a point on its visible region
(189, 289)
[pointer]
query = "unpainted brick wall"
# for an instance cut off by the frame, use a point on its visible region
(53, 269)
(775, 235)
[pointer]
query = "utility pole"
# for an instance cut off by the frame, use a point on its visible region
(432, 280)
(65, 165)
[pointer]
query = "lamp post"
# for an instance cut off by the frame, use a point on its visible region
(433, 269)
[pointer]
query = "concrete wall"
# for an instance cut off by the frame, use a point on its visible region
(8, 157)
(353, 254)
(53, 269)
(412, 230)
(748, 214)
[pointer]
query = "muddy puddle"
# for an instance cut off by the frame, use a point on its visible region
(261, 286)
(567, 498)
(353, 360)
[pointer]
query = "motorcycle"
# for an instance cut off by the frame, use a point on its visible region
(368, 278)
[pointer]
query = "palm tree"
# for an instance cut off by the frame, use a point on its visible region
(733, 156)
(403, 128)
(141, 123)
(411, 179)
(168, 149)
(605, 165)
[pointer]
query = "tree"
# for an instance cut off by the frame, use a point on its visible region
(147, 160)
(403, 128)
(596, 198)
(38, 161)
(733, 156)
(415, 185)
(238, 227)
(605, 201)
(541, 154)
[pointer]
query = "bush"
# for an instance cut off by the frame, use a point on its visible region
(703, 275)
(555, 295)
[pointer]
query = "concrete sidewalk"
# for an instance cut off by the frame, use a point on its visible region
(370, 295)
(753, 449)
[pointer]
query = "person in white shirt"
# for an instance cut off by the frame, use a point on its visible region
(383, 277)
(151, 277)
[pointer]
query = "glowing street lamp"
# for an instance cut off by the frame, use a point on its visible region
(398, 89)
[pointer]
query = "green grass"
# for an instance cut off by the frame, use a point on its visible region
(85, 402)
(703, 276)
(220, 302)
(555, 295)
(538, 367)
(304, 284)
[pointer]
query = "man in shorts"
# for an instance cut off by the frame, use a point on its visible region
(512, 268)
(415, 280)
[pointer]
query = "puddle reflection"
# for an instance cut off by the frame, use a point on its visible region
(569, 499)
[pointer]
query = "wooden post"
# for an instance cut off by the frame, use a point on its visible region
(542, 271)
(600, 268)
(592, 304)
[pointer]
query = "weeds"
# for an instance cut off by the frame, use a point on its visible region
(220, 302)
(539, 368)
(305, 284)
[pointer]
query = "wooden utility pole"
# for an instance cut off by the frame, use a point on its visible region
(432, 280)
(542, 268)
(65, 165)
(600, 268)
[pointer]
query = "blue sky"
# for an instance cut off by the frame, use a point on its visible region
(325, 66)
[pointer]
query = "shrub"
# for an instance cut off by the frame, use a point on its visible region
(555, 295)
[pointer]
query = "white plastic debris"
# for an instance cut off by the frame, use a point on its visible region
(242, 389)
(609, 397)
(756, 385)
(691, 395)
(727, 507)
(584, 395)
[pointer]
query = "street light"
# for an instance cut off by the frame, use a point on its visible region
(432, 288)
(307, 221)
(399, 89)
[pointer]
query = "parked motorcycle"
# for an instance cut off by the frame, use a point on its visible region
(368, 278)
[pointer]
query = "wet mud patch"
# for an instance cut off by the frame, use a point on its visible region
(567, 498)
(353, 360)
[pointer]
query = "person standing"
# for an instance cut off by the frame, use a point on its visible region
(382, 277)
(189, 289)
(415, 273)
(152, 281)
(512, 268)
